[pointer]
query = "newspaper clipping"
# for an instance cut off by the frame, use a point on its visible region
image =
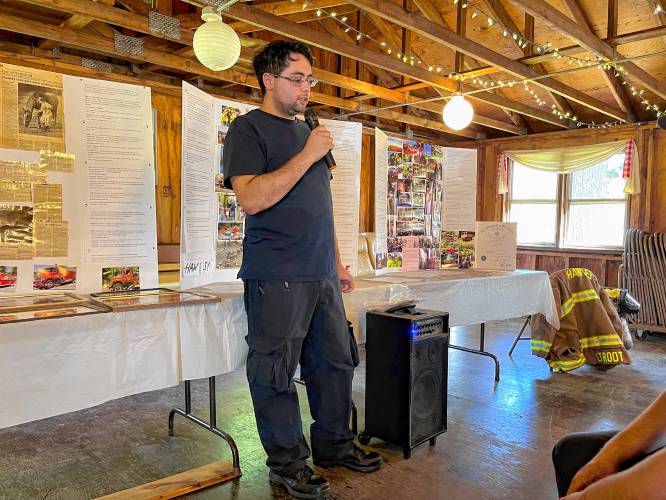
(32, 109)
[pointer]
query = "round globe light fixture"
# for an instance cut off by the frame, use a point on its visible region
(216, 44)
(458, 112)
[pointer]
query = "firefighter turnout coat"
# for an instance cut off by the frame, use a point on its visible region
(590, 329)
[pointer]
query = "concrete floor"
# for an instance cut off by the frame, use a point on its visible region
(498, 442)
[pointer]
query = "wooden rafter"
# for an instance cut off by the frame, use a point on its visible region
(431, 12)
(572, 50)
(498, 10)
(255, 16)
(615, 87)
(102, 45)
(298, 17)
(444, 36)
(557, 20)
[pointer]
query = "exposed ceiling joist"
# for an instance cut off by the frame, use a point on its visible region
(617, 90)
(445, 36)
(557, 20)
(278, 25)
(106, 46)
(499, 12)
(434, 14)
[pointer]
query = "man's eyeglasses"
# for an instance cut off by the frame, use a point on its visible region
(299, 81)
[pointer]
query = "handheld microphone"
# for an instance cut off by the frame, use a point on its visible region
(313, 122)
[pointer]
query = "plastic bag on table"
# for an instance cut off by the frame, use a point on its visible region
(396, 296)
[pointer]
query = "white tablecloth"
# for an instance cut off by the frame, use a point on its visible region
(54, 366)
(470, 297)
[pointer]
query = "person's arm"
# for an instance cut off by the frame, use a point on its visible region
(256, 193)
(346, 279)
(643, 480)
(633, 440)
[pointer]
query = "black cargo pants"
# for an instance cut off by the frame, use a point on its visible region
(291, 323)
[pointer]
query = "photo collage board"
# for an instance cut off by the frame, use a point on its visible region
(230, 215)
(414, 194)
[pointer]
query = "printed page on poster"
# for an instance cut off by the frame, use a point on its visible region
(381, 202)
(345, 187)
(114, 149)
(459, 200)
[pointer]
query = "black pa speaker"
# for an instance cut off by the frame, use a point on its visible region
(406, 376)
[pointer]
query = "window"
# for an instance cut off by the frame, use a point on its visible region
(583, 209)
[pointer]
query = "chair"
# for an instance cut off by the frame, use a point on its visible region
(364, 260)
(370, 238)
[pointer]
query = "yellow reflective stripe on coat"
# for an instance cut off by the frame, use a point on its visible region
(601, 340)
(576, 297)
(541, 345)
(567, 365)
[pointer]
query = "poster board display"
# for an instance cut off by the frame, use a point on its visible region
(425, 205)
(212, 221)
(413, 193)
(81, 199)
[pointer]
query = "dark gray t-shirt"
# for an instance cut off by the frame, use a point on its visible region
(293, 239)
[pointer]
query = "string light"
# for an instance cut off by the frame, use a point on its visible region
(359, 35)
(542, 49)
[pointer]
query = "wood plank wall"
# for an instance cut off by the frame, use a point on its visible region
(647, 209)
(168, 151)
(167, 190)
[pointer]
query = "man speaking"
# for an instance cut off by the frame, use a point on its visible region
(293, 277)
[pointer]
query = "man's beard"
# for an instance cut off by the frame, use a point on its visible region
(296, 108)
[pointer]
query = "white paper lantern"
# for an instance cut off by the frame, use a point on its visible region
(216, 44)
(458, 112)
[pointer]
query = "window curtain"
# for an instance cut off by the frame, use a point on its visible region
(567, 160)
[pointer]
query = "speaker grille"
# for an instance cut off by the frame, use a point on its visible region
(427, 390)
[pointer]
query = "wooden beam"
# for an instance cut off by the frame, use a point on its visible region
(173, 61)
(555, 19)
(106, 46)
(434, 14)
(108, 14)
(179, 484)
(528, 50)
(24, 55)
(75, 22)
(572, 50)
(498, 11)
(334, 29)
(298, 17)
(444, 36)
(461, 25)
(616, 89)
(612, 19)
(252, 15)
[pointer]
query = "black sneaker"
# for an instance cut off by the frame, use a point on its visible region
(302, 484)
(357, 460)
